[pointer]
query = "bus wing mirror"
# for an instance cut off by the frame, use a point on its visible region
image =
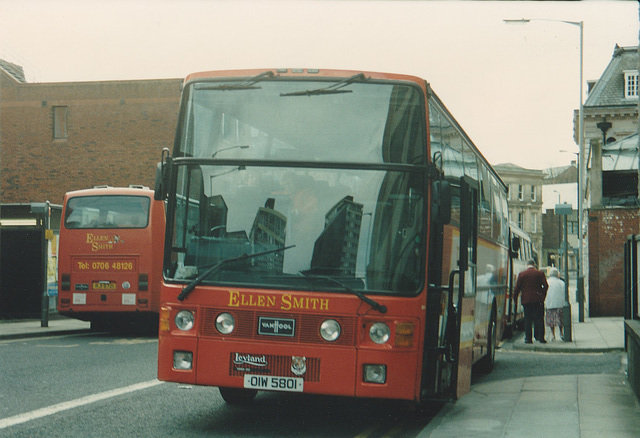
(441, 202)
(159, 192)
(162, 177)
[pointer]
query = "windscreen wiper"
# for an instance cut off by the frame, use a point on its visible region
(374, 304)
(196, 281)
(331, 89)
(249, 84)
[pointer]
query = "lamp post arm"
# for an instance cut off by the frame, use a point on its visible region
(528, 20)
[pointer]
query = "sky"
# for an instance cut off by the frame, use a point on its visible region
(513, 88)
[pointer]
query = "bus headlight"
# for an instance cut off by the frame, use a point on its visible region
(184, 320)
(225, 323)
(379, 333)
(182, 360)
(330, 330)
(374, 373)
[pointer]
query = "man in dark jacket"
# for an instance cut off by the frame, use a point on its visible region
(533, 285)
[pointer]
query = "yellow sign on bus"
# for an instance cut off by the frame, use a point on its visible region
(103, 285)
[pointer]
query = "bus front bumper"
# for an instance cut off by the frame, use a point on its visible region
(341, 371)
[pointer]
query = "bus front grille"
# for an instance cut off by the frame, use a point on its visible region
(306, 330)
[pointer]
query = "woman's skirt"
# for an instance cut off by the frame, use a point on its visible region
(553, 317)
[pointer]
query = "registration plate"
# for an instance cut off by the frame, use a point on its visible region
(103, 285)
(273, 383)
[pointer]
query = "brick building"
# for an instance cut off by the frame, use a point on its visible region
(608, 229)
(611, 119)
(57, 137)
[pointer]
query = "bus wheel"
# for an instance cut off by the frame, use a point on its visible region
(487, 362)
(100, 325)
(237, 396)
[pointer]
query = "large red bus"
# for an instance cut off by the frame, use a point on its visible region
(110, 256)
(328, 232)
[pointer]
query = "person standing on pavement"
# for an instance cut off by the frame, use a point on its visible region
(533, 285)
(554, 303)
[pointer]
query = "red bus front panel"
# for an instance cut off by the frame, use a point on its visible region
(297, 357)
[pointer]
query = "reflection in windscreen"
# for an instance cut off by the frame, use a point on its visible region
(111, 211)
(362, 227)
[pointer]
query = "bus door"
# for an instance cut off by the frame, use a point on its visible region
(466, 297)
(450, 323)
(514, 268)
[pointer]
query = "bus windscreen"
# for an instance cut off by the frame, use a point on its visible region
(107, 212)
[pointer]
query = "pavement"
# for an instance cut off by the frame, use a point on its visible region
(581, 406)
(30, 328)
(568, 406)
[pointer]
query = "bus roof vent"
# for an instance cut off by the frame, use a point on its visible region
(137, 186)
(103, 186)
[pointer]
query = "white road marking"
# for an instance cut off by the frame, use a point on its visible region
(71, 404)
(134, 341)
(57, 346)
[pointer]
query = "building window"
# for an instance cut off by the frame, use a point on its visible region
(521, 220)
(572, 227)
(520, 193)
(535, 223)
(60, 122)
(533, 193)
(630, 84)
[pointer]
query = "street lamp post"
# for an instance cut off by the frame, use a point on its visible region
(579, 277)
(582, 165)
(565, 210)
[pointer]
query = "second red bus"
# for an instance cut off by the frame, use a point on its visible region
(110, 255)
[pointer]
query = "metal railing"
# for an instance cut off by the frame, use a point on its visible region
(632, 277)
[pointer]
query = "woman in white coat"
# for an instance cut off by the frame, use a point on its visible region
(554, 302)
